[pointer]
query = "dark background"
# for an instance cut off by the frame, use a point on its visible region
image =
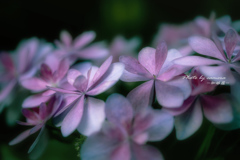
(45, 19)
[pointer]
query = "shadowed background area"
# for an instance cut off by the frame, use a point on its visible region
(45, 19)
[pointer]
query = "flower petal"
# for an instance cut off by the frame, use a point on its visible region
(205, 46)
(34, 84)
(230, 40)
(147, 59)
(189, 122)
(7, 90)
(121, 152)
(66, 38)
(196, 61)
(20, 137)
(84, 39)
(35, 100)
(72, 75)
(160, 56)
(73, 118)
(81, 83)
(130, 77)
(93, 116)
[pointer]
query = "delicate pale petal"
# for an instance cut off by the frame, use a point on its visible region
(130, 77)
(36, 128)
(6, 61)
(230, 40)
(94, 51)
(66, 38)
(121, 152)
(217, 109)
(84, 39)
(169, 96)
(72, 75)
(134, 67)
(196, 61)
(108, 80)
(73, 118)
(219, 45)
(205, 46)
(62, 69)
(147, 59)
(48, 93)
(81, 83)
(43, 111)
(189, 122)
(119, 110)
(93, 116)
(83, 68)
(30, 115)
(7, 90)
(20, 137)
(144, 152)
(161, 126)
(46, 72)
(142, 96)
(35, 100)
(63, 90)
(34, 84)
(160, 56)
(218, 73)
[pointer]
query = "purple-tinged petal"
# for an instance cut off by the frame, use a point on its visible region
(112, 75)
(81, 83)
(237, 57)
(84, 39)
(147, 59)
(83, 68)
(48, 93)
(66, 38)
(119, 110)
(230, 40)
(205, 46)
(30, 115)
(217, 109)
(142, 96)
(219, 45)
(122, 151)
(145, 152)
(43, 111)
(73, 118)
(46, 72)
(63, 90)
(7, 90)
(130, 77)
(7, 62)
(36, 128)
(94, 51)
(134, 67)
(160, 56)
(218, 73)
(189, 122)
(52, 61)
(93, 116)
(161, 126)
(34, 84)
(35, 100)
(72, 75)
(196, 61)
(62, 69)
(168, 95)
(20, 137)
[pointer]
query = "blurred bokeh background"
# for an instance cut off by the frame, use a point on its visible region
(46, 18)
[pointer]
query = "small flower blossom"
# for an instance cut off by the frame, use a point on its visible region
(126, 132)
(82, 111)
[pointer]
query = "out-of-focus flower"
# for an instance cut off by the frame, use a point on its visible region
(36, 117)
(23, 64)
(79, 47)
(121, 46)
(217, 109)
(155, 66)
(226, 55)
(52, 73)
(82, 111)
(126, 132)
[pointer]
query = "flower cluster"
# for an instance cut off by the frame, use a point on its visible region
(180, 76)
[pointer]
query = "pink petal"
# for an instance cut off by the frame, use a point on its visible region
(94, 51)
(63, 90)
(46, 72)
(36, 128)
(144, 152)
(130, 77)
(230, 40)
(73, 118)
(217, 109)
(218, 73)
(168, 95)
(72, 75)
(83, 67)
(121, 152)
(43, 111)
(30, 115)
(196, 61)
(20, 137)
(205, 46)
(142, 96)
(84, 39)
(112, 75)
(7, 90)
(93, 116)
(219, 45)
(34, 84)
(147, 59)
(62, 69)
(81, 83)
(160, 56)
(66, 38)
(134, 67)
(189, 122)
(35, 100)
(7, 62)
(119, 110)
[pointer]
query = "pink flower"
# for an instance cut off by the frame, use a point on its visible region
(36, 117)
(155, 66)
(82, 111)
(79, 47)
(217, 109)
(215, 50)
(124, 135)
